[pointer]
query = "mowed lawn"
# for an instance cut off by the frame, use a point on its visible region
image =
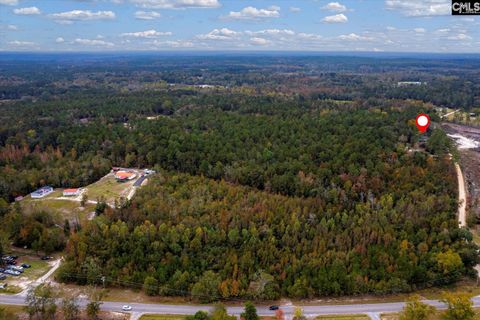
(37, 268)
(61, 209)
(108, 188)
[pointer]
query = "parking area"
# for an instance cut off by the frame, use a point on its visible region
(18, 270)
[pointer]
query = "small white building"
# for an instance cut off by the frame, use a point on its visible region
(148, 171)
(71, 192)
(42, 192)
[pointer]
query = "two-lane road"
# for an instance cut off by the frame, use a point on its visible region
(310, 310)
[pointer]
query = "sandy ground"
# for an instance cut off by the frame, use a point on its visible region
(462, 219)
(464, 142)
(468, 142)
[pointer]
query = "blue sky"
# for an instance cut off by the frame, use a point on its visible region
(305, 25)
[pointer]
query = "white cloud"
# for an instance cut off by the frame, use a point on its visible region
(82, 15)
(354, 37)
(22, 43)
(219, 34)
(444, 30)
(283, 35)
(338, 18)
(59, 40)
(294, 9)
(146, 34)
(179, 44)
(308, 36)
(252, 13)
(259, 41)
(419, 8)
(335, 7)
(460, 36)
(419, 30)
(9, 2)
(176, 4)
(27, 11)
(12, 27)
(158, 44)
(272, 32)
(147, 15)
(389, 28)
(90, 42)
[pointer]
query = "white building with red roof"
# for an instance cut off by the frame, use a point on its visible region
(71, 192)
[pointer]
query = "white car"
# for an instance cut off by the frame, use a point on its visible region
(11, 272)
(126, 307)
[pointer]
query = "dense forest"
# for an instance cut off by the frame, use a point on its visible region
(319, 189)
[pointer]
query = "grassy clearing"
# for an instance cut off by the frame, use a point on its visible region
(130, 295)
(10, 289)
(11, 311)
(38, 268)
(436, 316)
(61, 209)
(108, 188)
(467, 286)
(162, 317)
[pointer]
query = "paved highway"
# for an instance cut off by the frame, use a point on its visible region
(311, 310)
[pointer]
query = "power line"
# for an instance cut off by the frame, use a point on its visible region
(131, 284)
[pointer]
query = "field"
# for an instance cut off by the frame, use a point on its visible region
(436, 316)
(38, 268)
(109, 189)
(11, 289)
(9, 311)
(61, 209)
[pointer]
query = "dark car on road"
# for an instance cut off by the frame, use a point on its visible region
(274, 307)
(46, 258)
(26, 265)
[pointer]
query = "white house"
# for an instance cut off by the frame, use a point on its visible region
(42, 192)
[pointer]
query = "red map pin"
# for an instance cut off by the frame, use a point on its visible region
(422, 122)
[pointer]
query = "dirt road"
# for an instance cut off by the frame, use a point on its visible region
(25, 285)
(462, 199)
